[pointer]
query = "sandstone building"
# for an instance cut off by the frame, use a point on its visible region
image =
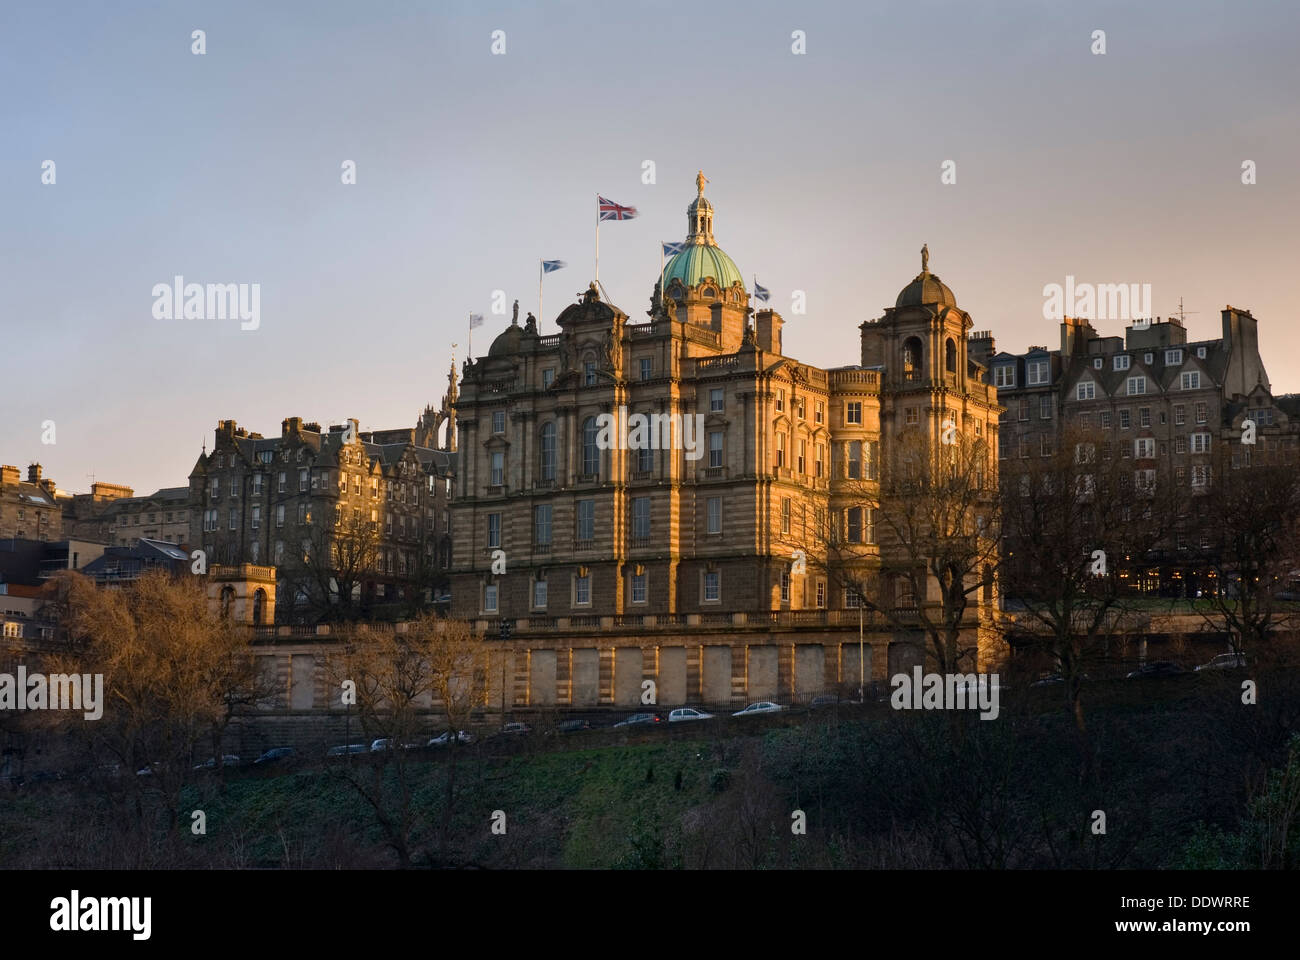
(29, 509)
(592, 531)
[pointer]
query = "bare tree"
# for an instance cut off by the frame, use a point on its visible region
(1251, 532)
(334, 561)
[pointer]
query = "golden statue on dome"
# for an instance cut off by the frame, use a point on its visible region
(700, 181)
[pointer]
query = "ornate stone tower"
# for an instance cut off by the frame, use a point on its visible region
(431, 420)
(704, 283)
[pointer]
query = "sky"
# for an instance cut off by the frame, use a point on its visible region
(825, 172)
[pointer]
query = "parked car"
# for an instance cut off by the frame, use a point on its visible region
(637, 719)
(573, 726)
(516, 729)
(824, 700)
(346, 749)
(1224, 661)
(1156, 669)
(1052, 679)
(763, 706)
(383, 743)
(276, 755)
(682, 714)
(227, 760)
(445, 738)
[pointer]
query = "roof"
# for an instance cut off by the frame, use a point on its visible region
(700, 261)
(926, 289)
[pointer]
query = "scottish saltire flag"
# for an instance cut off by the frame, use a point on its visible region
(673, 248)
(609, 210)
(475, 320)
(761, 291)
(550, 266)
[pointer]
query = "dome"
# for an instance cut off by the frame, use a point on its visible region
(926, 289)
(700, 260)
(507, 342)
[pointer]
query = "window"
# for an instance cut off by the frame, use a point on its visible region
(257, 484)
(715, 400)
(1202, 412)
(786, 508)
(645, 459)
(490, 598)
(234, 490)
(279, 515)
(1201, 475)
(1036, 372)
(641, 518)
(1024, 408)
(780, 450)
(1124, 420)
(871, 453)
(712, 586)
(1137, 385)
(1121, 361)
(1086, 390)
(1144, 448)
(1173, 357)
(590, 453)
(780, 398)
(1200, 352)
(801, 463)
(638, 588)
(542, 525)
(494, 529)
(821, 594)
(586, 519)
(1004, 376)
(853, 459)
(1191, 381)
(853, 412)
(548, 451)
(1180, 444)
(1097, 363)
(1044, 444)
(1144, 481)
(1200, 443)
(713, 511)
(853, 524)
(715, 448)
(216, 487)
(647, 368)
(1044, 410)
(589, 373)
(819, 412)
(1148, 358)
(548, 378)
(582, 590)
(255, 521)
(1105, 419)
(279, 552)
(234, 519)
(498, 421)
(539, 594)
(1144, 416)
(1180, 414)
(374, 488)
(785, 586)
(820, 467)
(798, 408)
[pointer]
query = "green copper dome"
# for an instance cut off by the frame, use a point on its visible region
(701, 260)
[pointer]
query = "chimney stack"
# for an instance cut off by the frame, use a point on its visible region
(34, 473)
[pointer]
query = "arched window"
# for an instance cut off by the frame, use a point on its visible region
(227, 598)
(259, 607)
(590, 452)
(950, 356)
(912, 359)
(548, 451)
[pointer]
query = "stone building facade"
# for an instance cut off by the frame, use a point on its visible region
(112, 515)
(591, 526)
(288, 501)
(1165, 404)
(29, 509)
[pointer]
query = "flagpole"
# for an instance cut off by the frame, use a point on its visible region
(469, 347)
(598, 239)
(540, 273)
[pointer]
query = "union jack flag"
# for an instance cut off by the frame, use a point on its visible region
(609, 210)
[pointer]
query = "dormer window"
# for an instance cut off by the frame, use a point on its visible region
(1121, 361)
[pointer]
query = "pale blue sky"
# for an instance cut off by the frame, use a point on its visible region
(825, 174)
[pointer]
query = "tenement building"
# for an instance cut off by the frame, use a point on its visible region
(29, 509)
(658, 478)
(1164, 403)
(354, 523)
